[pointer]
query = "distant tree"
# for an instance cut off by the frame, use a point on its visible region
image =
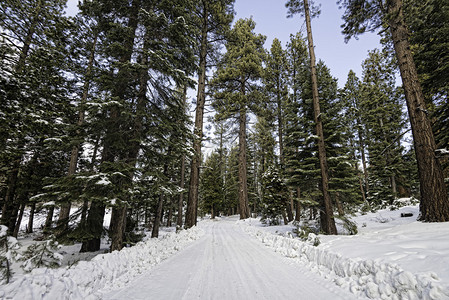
(295, 121)
(215, 18)
(264, 152)
(385, 125)
(235, 89)
(343, 183)
(275, 81)
(351, 96)
(275, 197)
(212, 183)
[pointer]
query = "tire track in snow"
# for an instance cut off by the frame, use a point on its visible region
(228, 264)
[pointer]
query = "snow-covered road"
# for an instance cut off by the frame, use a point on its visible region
(226, 263)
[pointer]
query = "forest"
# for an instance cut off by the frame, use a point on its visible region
(95, 117)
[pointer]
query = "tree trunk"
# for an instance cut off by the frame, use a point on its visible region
(8, 218)
(49, 219)
(157, 217)
(28, 38)
(363, 155)
(84, 210)
(181, 195)
(183, 171)
(31, 218)
(9, 206)
(328, 224)
(243, 184)
(298, 206)
(94, 223)
(434, 204)
(284, 217)
(341, 211)
(19, 220)
(289, 208)
(192, 200)
(170, 213)
(117, 227)
(394, 189)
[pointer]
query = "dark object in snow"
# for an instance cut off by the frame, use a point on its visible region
(405, 215)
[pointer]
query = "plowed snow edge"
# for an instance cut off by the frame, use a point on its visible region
(111, 270)
(364, 278)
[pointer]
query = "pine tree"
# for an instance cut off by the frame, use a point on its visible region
(264, 153)
(368, 15)
(327, 219)
(382, 114)
(235, 85)
(276, 195)
(295, 128)
(214, 18)
(343, 185)
(275, 79)
(352, 98)
(34, 91)
(212, 183)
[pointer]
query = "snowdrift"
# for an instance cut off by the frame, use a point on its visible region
(104, 272)
(363, 278)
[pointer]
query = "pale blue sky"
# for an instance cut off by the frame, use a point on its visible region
(271, 20)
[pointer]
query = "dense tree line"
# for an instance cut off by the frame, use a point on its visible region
(94, 116)
(368, 160)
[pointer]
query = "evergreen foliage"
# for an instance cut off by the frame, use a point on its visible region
(41, 254)
(385, 124)
(236, 91)
(212, 185)
(275, 197)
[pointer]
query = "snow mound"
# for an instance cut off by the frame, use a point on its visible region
(364, 278)
(104, 272)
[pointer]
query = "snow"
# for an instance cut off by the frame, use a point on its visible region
(391, 257)
(228, 264)
(104, 271)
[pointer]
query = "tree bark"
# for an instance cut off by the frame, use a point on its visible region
(434, 204)
(363, 155)
(28, 38)
(328, 222)
(94, 223)
(49, 219)
(117, 227)
(170, 213)
(243, 177)
(181, 195)
(182, 175)
(19, 220)
(192, 200)
(31, 218)
(8, 219)
(298, 205)
(157, 217)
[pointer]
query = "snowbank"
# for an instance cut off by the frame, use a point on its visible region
(365, 278)
(105, 271)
